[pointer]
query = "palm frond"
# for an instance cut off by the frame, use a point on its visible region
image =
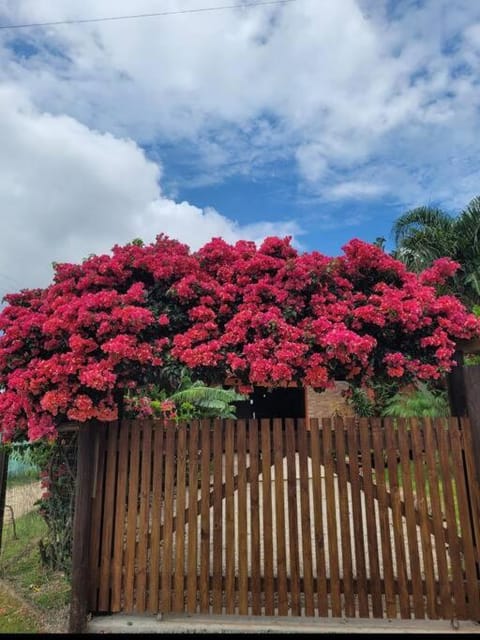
(421, 218)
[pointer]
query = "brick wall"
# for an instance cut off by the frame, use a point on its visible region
(328, 403)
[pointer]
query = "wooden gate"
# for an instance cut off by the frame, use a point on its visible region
(372, 518)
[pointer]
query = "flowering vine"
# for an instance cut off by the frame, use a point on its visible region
(264, 315)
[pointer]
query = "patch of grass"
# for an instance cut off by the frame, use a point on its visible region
(15, 616)
(21, 480)
(21, 567)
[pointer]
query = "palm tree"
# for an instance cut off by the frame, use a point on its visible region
(424, 234)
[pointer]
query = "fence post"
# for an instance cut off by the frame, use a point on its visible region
(456, 387)
(3, 486)
(81, 529)
(471, 377)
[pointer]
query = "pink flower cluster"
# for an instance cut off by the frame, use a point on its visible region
(265, 316)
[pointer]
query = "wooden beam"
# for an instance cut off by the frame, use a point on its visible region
(469, 346)
(81, 529)
(472, 389)
(3, 486)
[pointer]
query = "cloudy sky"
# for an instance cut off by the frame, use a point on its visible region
(319, 119)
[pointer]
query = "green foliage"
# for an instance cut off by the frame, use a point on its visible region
(57, 461)
(423, 403)
(372, 404)
(188, 401)
(424, 234)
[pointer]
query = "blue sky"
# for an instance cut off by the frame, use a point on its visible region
(317, 119)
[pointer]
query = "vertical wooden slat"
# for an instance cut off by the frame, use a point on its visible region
(292, 517)
(217, 517)
(329, 462)
(373, 558)
(321, 572)
(108, 518)
(205, 519)
(117, 562)
(4, 456)
(473, 481)
(453, 542)
(82, 524)
(465, 522)
(98, 469)
(378, 452)
(357, 518)
(267, 517)
(431, 450)
(192, 571)
(255, 516)
(346, 557)
(130, 550)
(305, 519)
(157, 498)
(144, 513)
(422, 508)
(179, 581)
(392, 449)
(280, 518)
(242, 518)
(167, 556)
(229, 518)
(410, 517)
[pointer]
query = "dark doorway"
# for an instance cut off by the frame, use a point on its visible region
(277, 402)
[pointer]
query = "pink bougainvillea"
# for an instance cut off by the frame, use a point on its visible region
(263, 315)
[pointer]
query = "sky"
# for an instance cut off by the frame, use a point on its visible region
(318, 119)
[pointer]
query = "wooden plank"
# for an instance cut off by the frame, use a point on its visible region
(254, 515)
(422, 508)
(3, 486)
(372, 543)
(82, 525)
(410, 517)
(179, 580)
(473, 606)
(242, 518)
(278, 457)
(294, 552)
(454, 551)
(157, 499)
(108, 517)
(98, 454)
(229, 518)
(331, 501)
(346, 557)
(431, 452)
(144, 513)
(121, 499)
(167, 555)
(217, 516)
(132, 515)
(205, 518)
(378, 453)
(321, 571)
(471, 376)
(267, 517)
(392, 448)
(360, 561)
(192, 545)
(305, 519)
(473, 482)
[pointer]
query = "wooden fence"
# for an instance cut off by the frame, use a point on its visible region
(372, 518)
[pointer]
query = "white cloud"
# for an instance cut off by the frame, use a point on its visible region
(354, 189)
(369, 99)
(67, 191)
